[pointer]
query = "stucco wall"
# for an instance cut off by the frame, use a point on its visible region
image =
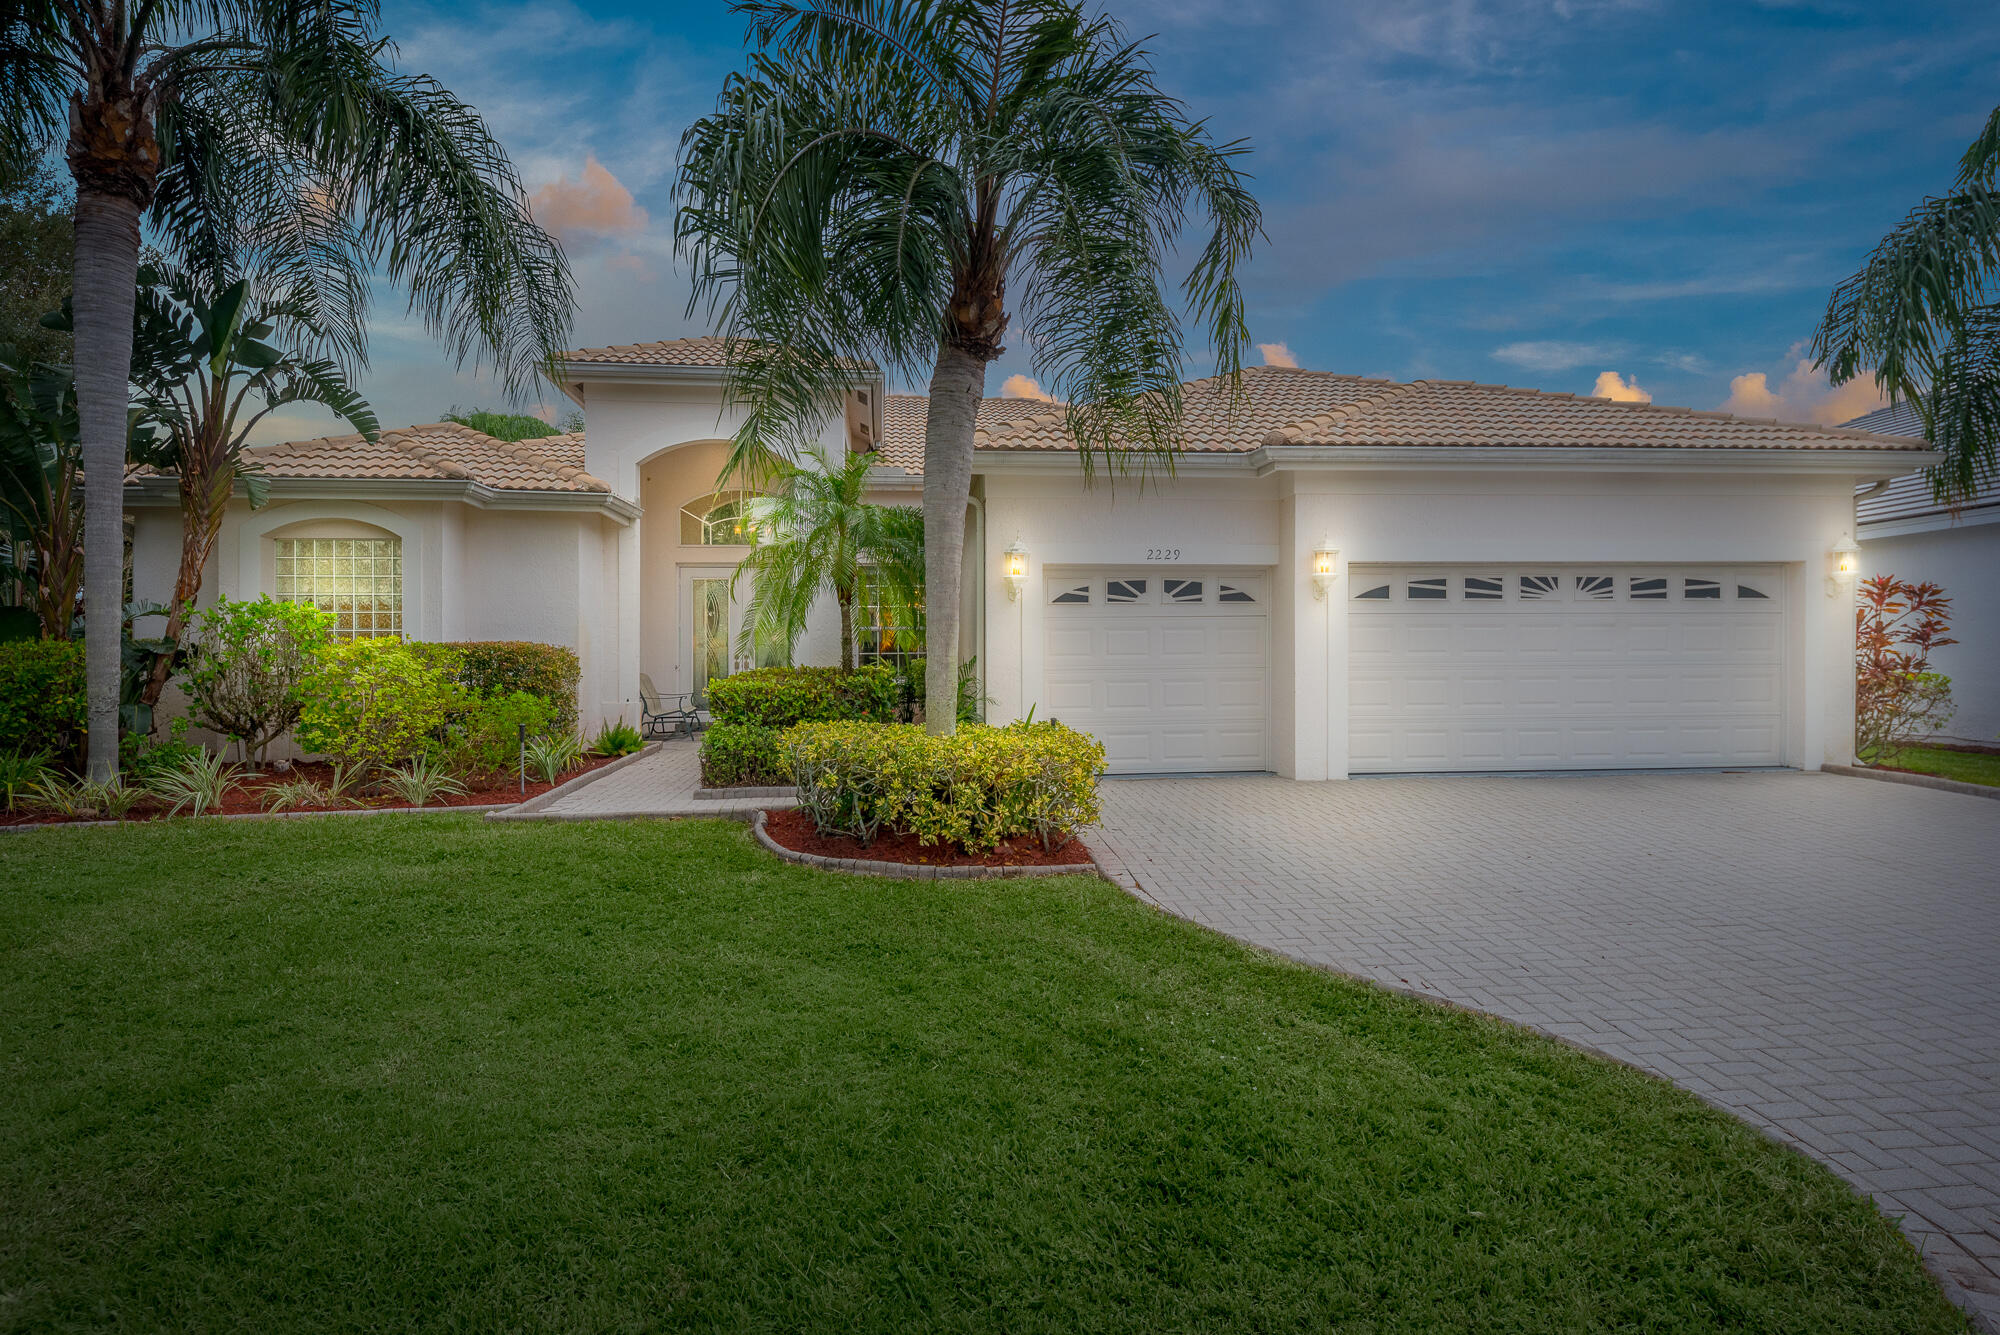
(1965, 559)
(1421, 516)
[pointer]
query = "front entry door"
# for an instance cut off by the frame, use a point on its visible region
(710, 622)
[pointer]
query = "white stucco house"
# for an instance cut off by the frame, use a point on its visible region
(1342, 576)
(1906, 532)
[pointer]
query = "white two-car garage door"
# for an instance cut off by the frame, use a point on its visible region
(1564, 667)
(1170, 671)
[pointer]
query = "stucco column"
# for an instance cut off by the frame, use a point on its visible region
(1311, 645)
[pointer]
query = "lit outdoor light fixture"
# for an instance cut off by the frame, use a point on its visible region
(1326, 557)
(1015, 569)
(1843, 563)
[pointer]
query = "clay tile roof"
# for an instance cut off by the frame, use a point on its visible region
(440, 451)
(903, 416)
(703, 351)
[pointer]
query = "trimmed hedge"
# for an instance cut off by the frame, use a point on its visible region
(501, 667)
(781, 697)
(971, 790)
(735, 755)
(42, 702)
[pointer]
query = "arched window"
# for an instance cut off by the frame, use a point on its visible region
(721, 520)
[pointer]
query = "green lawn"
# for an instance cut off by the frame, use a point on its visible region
(1965, 766)
(383, 1073)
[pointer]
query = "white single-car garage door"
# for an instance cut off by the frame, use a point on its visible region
(1564, 667)
(1170, 671)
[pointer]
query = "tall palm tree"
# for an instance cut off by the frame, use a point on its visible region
(815, 535)
(265, 137)
(1924, 311)
(882, 173)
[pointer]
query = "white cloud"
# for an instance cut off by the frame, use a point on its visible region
(1277, 354)
(1552, 355)
(595, 204)
(1611, 385)
(1804, 395)
(1024, 387)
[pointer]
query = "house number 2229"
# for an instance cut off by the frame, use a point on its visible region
(1163, 553)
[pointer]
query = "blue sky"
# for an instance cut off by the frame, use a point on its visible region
(1531, 193)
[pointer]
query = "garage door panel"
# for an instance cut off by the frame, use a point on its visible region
(1582, 676)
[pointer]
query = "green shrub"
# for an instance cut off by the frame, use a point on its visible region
(781, 697)
(20, 771)
(970, 790)
(501, 667)
(485, 736)
(737, 755)
(372, 703)
(248, 663)
(617, 739)
(552, 756)
(197, 784)
(421, 783)
(41, 695)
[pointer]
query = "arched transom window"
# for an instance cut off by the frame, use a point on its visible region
(722, 520)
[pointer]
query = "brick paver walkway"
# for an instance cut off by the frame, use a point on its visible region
(1818, 955)
(661, 784)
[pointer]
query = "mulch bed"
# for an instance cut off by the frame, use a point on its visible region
(794, 829)
(244, 799)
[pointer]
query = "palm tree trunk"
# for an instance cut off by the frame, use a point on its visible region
(107, 276)
(956, 386)
(846, 600)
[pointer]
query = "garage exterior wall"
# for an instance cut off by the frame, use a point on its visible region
(1384, 516)
(1964, 558)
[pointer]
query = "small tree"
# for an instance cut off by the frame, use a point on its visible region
(1897, 698)
(249, 663)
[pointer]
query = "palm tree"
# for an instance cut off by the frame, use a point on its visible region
(272, 138)
(199, 363)
(1924, 311)
(870, 187)
(814, 535)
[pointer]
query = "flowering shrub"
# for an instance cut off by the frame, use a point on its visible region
(972, 790)
(780, 697)
(1897, 698)
(247, 666)
(373, 703)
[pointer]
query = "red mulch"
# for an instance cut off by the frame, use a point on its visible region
(243, 800)
(794, 829)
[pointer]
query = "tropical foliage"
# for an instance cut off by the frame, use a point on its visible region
(372, 703)
(1924, 312)
(39, 241)
(249, 664)
(274, 141)
(892, 182)
(41, 695)
(41, 490)
(1897, 698)
(512, 426)
(816, 536)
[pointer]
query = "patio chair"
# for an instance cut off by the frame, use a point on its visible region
(662, 715)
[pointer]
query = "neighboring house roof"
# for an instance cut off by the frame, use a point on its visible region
(703, 351)
(904, 415)
(1282, 407)
(442, 451)
(1909, 496)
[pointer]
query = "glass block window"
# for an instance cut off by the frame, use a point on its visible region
(1125, 591)
(1485, 588)
(1379, 593)
(1701, 588)
(1073, 593)
(358, 580)
(1426, 589)
(1536, 588)
(1182, 590)
(1652, 589)
(1231, 594)
(1596, 588)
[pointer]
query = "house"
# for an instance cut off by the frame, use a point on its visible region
(1341, 575)
(1904, 531)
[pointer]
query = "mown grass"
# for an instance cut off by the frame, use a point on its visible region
(389, 1073)
(1965, 766)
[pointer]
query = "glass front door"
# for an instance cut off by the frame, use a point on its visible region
(711, 620)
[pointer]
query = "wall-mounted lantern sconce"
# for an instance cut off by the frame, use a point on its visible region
(1326, 557)
(1843, 563)
(1015, 569)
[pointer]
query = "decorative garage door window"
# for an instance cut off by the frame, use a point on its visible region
(1235, 592)
(359, 581)
(1434, 589)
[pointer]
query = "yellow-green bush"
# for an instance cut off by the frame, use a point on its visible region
(971, 790)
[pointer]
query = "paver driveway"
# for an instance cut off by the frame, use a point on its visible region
(1819, 955)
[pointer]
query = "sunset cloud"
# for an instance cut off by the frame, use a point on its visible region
(596, 204)
(1024, 387)
(1611, 385)
(1277, 354)
(1803, 396)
